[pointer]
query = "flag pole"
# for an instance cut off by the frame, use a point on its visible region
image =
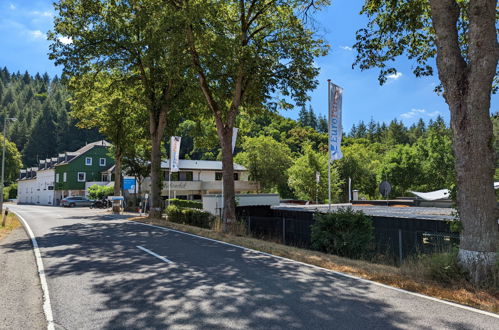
(329, 143)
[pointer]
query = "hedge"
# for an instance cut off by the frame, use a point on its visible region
(191, 217)
(185, 203)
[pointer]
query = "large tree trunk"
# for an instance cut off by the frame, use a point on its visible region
(229, 212)
(117, 179)
(156, 178)
(467, 88)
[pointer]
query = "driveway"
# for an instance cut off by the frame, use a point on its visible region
(105, 272)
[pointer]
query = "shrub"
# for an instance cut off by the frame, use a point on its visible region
(344, 232)
(440, 267)
(99, 192)
(191, 217)
(186, 203)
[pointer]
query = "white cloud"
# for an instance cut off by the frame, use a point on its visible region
(394, 76)
(65, 40)
(37, 34)
(42, 13)
(415, 113)
(346, 48)
(12, 7)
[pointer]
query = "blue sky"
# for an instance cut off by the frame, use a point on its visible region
(24, 23)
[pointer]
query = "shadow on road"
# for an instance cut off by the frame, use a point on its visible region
(208, 285)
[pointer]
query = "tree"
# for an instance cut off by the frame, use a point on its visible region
(268, 168)
(243, 53)
(40, 144)
(13, 161)
(360, 162)
(463, 37)
(142, 40)
(401, 166)
(302, 177)
(106, 101)
(136, 163)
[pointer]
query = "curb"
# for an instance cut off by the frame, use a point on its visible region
(47, 307)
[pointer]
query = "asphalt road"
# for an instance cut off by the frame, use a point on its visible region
(108, 273)
(20, 291)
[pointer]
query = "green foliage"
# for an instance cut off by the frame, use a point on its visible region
(42, 128)
(10, 192)
(13, 161)
(345, 232)
(192, 217)
(302, 177)
(182, 203)
(267, 161)
(97, 192)
(440, 267)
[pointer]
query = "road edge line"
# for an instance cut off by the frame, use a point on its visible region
(472, 309)
(47, 307)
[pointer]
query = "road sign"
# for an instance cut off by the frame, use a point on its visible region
(385, 188)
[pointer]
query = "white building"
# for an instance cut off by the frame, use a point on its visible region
(27, 186)
(200, 177)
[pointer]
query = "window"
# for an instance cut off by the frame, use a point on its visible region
(64, 177)
(88, 161)
(185, 176)
(102, 161)
(218, 176)
(82, 176)
(57, 177)
(236, 176)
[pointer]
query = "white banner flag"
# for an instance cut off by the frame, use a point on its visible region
(335, 125)
(234, 138)
(174, 153)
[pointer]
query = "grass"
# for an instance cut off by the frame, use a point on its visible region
(412, 276)
(11, 223)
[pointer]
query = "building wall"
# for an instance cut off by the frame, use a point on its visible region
(45, 180)
(26, 191)
(92, 172)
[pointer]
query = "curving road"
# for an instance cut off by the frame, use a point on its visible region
(104, 272)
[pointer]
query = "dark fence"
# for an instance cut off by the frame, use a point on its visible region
(394, 238)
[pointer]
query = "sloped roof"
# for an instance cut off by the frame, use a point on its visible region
(84, 149)
(213, 165)
(89, 146)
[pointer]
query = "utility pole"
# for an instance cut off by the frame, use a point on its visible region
(3, 159)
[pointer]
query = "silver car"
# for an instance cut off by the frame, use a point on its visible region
(76, 201)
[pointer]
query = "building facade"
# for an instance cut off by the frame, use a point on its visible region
(199, 177)
(64, 175)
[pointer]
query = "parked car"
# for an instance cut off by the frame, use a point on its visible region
(76, 201)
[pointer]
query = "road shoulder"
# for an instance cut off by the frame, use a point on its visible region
(20, 288)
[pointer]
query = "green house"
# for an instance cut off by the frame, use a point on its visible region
(74, 170)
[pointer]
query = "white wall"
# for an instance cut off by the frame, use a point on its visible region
(44, 180)
(26, 191)
(212, 203)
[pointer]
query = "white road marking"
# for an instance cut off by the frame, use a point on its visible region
(329, 271)
(154, 254)
(47, 307)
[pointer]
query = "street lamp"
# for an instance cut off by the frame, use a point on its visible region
(3, 160)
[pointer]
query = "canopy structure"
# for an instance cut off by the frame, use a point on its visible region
(433, 195)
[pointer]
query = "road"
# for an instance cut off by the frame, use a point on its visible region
(106, 273)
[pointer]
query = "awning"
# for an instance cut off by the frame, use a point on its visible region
(433, 195)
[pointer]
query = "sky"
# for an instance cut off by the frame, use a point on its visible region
(23, 46)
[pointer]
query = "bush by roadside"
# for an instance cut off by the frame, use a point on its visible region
(345, 232)
(193, 217)
(185, 203)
